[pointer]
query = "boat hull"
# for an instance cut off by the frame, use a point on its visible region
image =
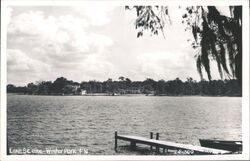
(233, 146)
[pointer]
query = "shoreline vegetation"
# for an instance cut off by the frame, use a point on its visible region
(117, 95)
(125, 87)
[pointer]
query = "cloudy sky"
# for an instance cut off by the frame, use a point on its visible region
(93, 43)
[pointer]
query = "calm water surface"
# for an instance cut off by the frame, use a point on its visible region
(90, 122)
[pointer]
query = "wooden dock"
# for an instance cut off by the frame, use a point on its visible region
(166, 145)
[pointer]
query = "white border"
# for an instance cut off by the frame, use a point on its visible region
(245, 97)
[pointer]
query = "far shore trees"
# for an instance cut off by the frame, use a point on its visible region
(176, 87)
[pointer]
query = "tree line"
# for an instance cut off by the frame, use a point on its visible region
(176, 87)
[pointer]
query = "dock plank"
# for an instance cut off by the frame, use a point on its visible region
(171, 145)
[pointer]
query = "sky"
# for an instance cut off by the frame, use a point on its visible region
(83, 43)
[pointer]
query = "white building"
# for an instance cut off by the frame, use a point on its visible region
(83, 92)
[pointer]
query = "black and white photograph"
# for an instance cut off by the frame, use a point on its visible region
(151, 80)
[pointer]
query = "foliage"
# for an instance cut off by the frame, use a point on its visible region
(150, 18)
(126, 86)
(215, 36)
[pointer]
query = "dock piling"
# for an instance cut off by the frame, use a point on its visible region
(116, 141)
(151, 137)
(157, 138)
(8, 152)
(132, 145)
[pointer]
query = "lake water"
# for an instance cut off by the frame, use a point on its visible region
(91, 121)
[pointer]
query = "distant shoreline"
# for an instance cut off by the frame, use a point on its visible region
(106, 94)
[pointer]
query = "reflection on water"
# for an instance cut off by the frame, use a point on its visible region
(90, 122)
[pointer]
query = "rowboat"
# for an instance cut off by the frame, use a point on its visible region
(233, 146)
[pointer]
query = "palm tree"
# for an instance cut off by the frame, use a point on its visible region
(215, 35)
